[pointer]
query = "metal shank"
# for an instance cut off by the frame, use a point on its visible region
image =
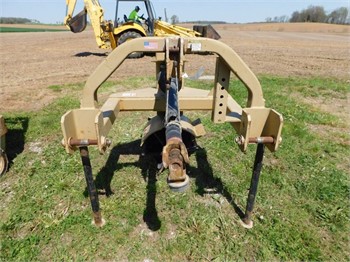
(254, 185)
(95, 205)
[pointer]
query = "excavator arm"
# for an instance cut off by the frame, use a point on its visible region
(102, 29)
(70, 6)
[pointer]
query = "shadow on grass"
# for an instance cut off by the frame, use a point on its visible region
(15, 137)
(206, 182)
(148, 164)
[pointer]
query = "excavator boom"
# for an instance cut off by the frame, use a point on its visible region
(165, 29)
(72, 22)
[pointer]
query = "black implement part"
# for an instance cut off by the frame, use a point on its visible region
(95, 204)
(254, 185)
(78, 23)
(207, 31)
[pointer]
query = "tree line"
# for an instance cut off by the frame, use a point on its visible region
(17, 20)
(315, 14)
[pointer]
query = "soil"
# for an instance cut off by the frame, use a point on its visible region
(31, 62)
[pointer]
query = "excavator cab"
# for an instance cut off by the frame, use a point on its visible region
(149, 21)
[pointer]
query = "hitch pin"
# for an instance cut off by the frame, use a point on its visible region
(255, 140)
(82, 142)
(86, 142)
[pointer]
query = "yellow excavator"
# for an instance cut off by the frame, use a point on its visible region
(110, 34)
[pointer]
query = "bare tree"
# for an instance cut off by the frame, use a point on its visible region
(338, 16)
(316, 14)
(295, 17)
(15, 20)
(311, 14)
(283, 19)
(174, 19)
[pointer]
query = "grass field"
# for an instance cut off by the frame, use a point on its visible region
(27, 29)
(301, 212)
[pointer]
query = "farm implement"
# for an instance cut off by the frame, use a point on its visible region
(170, 133)
(3, 155)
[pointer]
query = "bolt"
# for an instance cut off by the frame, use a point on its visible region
(239, 140)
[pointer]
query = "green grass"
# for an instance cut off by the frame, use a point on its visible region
(26, 30)
(301, 211)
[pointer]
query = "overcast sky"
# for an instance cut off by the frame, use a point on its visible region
(233, 11)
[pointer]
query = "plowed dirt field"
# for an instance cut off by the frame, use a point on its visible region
(31, 62)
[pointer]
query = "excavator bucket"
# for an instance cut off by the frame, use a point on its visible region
(78, 23)
(207, 31)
